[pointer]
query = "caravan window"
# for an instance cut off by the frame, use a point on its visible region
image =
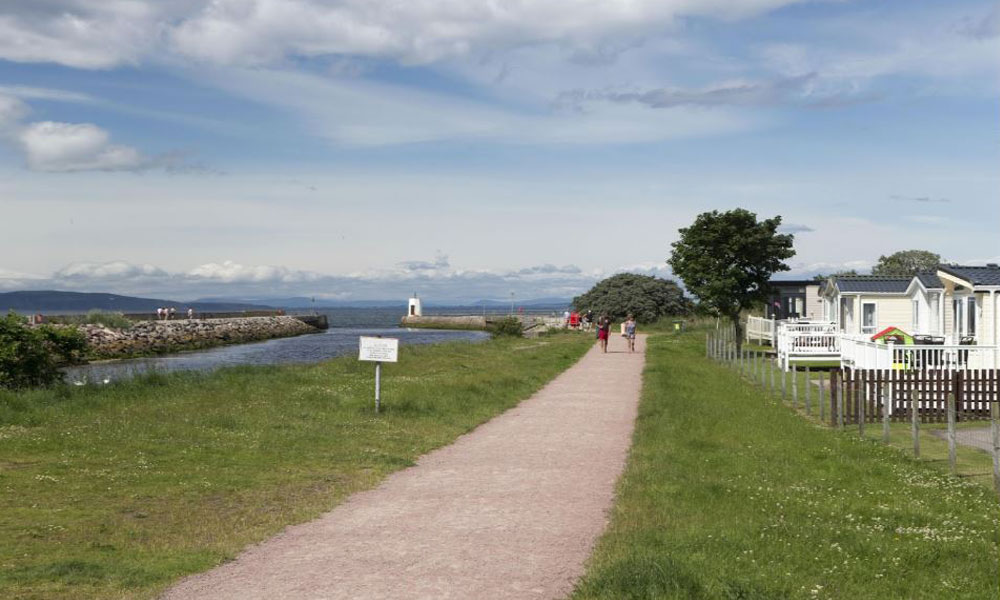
(916, 316)
(869, 318)
(970, 316)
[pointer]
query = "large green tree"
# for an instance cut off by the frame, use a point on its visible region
(726, 260)
(906, 263)
(645, 297)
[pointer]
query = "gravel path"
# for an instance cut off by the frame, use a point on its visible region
(977, 437)
(510, 510)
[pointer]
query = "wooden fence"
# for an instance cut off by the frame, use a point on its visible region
(865, 394)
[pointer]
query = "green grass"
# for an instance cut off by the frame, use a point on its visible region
(730, 494)
(116, 491)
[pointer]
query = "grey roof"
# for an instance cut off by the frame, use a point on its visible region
(875, 284)
(793, 282)
(988, 275)
(930, 280)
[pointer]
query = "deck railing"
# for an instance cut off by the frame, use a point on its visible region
(761, 329)
(807, 341)
(863, 354)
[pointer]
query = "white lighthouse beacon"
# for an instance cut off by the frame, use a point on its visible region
(415, 310)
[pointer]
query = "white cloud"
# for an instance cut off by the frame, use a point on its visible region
(232, 272)
(99, 35)
(264, 31)
(51, 146)
(63, 147)
(79, 33)
(109, 271)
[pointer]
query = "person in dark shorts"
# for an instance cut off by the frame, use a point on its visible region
(630, 333)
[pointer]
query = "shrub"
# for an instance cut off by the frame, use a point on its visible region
(30, 356)
(508, 326)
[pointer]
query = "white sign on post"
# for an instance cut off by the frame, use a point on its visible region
(378, 349)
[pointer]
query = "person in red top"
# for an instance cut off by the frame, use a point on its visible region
(603, 331)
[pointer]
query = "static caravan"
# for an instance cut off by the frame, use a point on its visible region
(970, 296)
(863, 305)
(926, 294)
(794, 299)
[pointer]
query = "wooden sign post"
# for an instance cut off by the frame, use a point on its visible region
(378, 350)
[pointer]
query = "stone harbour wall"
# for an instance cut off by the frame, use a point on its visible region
(157, 337)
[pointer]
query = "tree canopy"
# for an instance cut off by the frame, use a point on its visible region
(906, 263)
(726, 260)
(645, 297)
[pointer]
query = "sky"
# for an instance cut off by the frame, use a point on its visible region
(467, 149)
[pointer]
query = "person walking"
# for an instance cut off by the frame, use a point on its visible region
(630, 333)
(603, 331)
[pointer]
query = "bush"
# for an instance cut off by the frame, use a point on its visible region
(30, 356)
(508, 326)
(114, 320)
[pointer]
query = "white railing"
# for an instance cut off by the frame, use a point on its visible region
(862, 354)
(807, 341)
(761, 329)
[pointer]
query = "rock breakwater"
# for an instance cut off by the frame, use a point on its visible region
(157, 337)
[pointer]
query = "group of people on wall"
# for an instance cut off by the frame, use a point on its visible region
(167, 313)
(586, 322)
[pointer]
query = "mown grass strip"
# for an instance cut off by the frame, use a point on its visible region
(116, 491)
(729, 494)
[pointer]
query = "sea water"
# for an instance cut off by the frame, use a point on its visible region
(346, 326)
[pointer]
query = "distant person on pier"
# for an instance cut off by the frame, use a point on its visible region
(173, 311)
(190, 313)
(159, 313)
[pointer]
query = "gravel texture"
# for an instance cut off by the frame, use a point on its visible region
(510, 510)
(977, 438)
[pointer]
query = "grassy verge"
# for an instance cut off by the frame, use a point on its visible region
(116, 491)
(729, 494)
(972, 464)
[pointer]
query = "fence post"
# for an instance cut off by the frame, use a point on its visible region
(795, 387)
(784, 385)
(821, 400)
(770, 367)
(860, 396)
(886, 404)
(840, 401)
(708, 346)
(808, 396)
(995, 430)
(753, 368)
(915, 421)
(950, 410)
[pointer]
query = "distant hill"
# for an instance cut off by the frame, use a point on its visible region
(54, 301)
(534, 302)
(306, 302)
